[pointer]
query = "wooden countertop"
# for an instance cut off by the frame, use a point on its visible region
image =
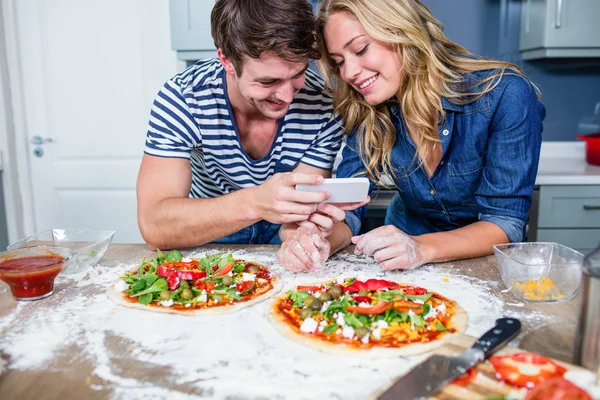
(102, 358)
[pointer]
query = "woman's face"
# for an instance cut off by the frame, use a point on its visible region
(371, 67)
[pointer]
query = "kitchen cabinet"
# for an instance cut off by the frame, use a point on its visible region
(190, 29)
(570, 215)
(559, 29)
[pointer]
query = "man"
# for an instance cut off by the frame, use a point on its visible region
(229, 138)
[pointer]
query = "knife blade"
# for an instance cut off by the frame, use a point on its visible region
(437, 371)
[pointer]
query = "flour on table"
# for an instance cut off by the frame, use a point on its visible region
(237, 355)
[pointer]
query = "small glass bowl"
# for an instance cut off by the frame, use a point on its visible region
(89, 245)
(30, 271)
(539, 272)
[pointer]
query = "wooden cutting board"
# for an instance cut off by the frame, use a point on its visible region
(485, 385)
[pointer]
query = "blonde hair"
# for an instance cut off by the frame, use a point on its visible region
(432, 67)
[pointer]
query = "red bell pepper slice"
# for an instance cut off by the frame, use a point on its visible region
(225, 270)
(525, 369)
(370, 285)
(377, 309)
(414, 290)
(362, 299)
(200, 284)
(557, 389)
(245, 287)
(210, 286)
(181, 264)
(465, 378)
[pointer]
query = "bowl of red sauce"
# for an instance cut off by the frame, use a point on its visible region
(29, 272)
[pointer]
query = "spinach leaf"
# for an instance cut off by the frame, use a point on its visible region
(337, 306)
(225, 260)
(426, 309)
(390, 295)
(393, 315)
(158, 286)
(145, 298)
(352, 320)
(417, 320)
(331, 328)
(239, 267)
(423, 297)
(174, 256)
(138, 285)
(439, 326)
(298, 296)
(149, 278)
(232, 293)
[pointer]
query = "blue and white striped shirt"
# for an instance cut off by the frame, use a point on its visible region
(191, 118)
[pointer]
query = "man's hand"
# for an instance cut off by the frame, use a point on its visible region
(391, 248)
(278, 201)
(305, 250)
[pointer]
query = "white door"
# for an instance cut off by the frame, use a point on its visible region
(89, 72)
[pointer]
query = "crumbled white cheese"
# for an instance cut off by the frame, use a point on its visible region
(432, 313)
(376, 333)
(382, 324)
(323, 323)
(348, 332)
(202, 298)
(340, 320)
(365, 339)
(248, 277)
(121, 285)
(411, 313)
(186, 259)
(441, 308)
(365, 305)
(166, 303)
(325, 306)
(188, 305)
(230, 273)
(261, 280)
(309, 325)
(317, 295)
(418, 301)
(338, 332)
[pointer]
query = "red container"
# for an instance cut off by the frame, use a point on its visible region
(592, 147)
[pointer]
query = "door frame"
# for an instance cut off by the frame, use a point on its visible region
(18, 192)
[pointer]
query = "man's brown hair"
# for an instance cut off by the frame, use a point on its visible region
(285, 28)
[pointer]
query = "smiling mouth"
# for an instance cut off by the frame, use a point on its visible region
(368, 82)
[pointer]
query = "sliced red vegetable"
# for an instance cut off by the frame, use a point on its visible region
(465, 378)
(183, 273)
(181, 264)
(173, 281)
(377, 309)
(245, 287)
(362, 299)
(209, 286)
(200, 284)
(371, 285)
(525, 369)
(557, 389)
(414, 290)
(225, 270)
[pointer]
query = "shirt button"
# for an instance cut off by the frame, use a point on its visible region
(442, 162)
(445, 132)
(432, 192)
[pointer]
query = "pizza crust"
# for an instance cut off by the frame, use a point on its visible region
(459, 321)
(117, 297)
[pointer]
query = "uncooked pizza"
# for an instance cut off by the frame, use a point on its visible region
(372, 318)
(210, 285)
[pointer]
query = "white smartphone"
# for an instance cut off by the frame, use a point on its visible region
(343, 190)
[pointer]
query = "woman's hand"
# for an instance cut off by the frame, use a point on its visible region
(304, 250)
(392, 248)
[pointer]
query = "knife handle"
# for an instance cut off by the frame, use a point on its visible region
(505, 329)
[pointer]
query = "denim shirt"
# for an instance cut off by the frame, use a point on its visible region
(491, 150)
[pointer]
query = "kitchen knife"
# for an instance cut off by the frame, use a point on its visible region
(437, 371)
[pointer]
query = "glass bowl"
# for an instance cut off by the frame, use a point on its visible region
(540, 272)
(89, 245)
(30, 271)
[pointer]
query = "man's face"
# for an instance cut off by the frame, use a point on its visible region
(269, 83)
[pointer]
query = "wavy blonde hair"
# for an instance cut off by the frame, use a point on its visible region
(432, 67)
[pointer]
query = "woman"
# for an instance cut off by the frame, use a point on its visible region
(457, 135)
